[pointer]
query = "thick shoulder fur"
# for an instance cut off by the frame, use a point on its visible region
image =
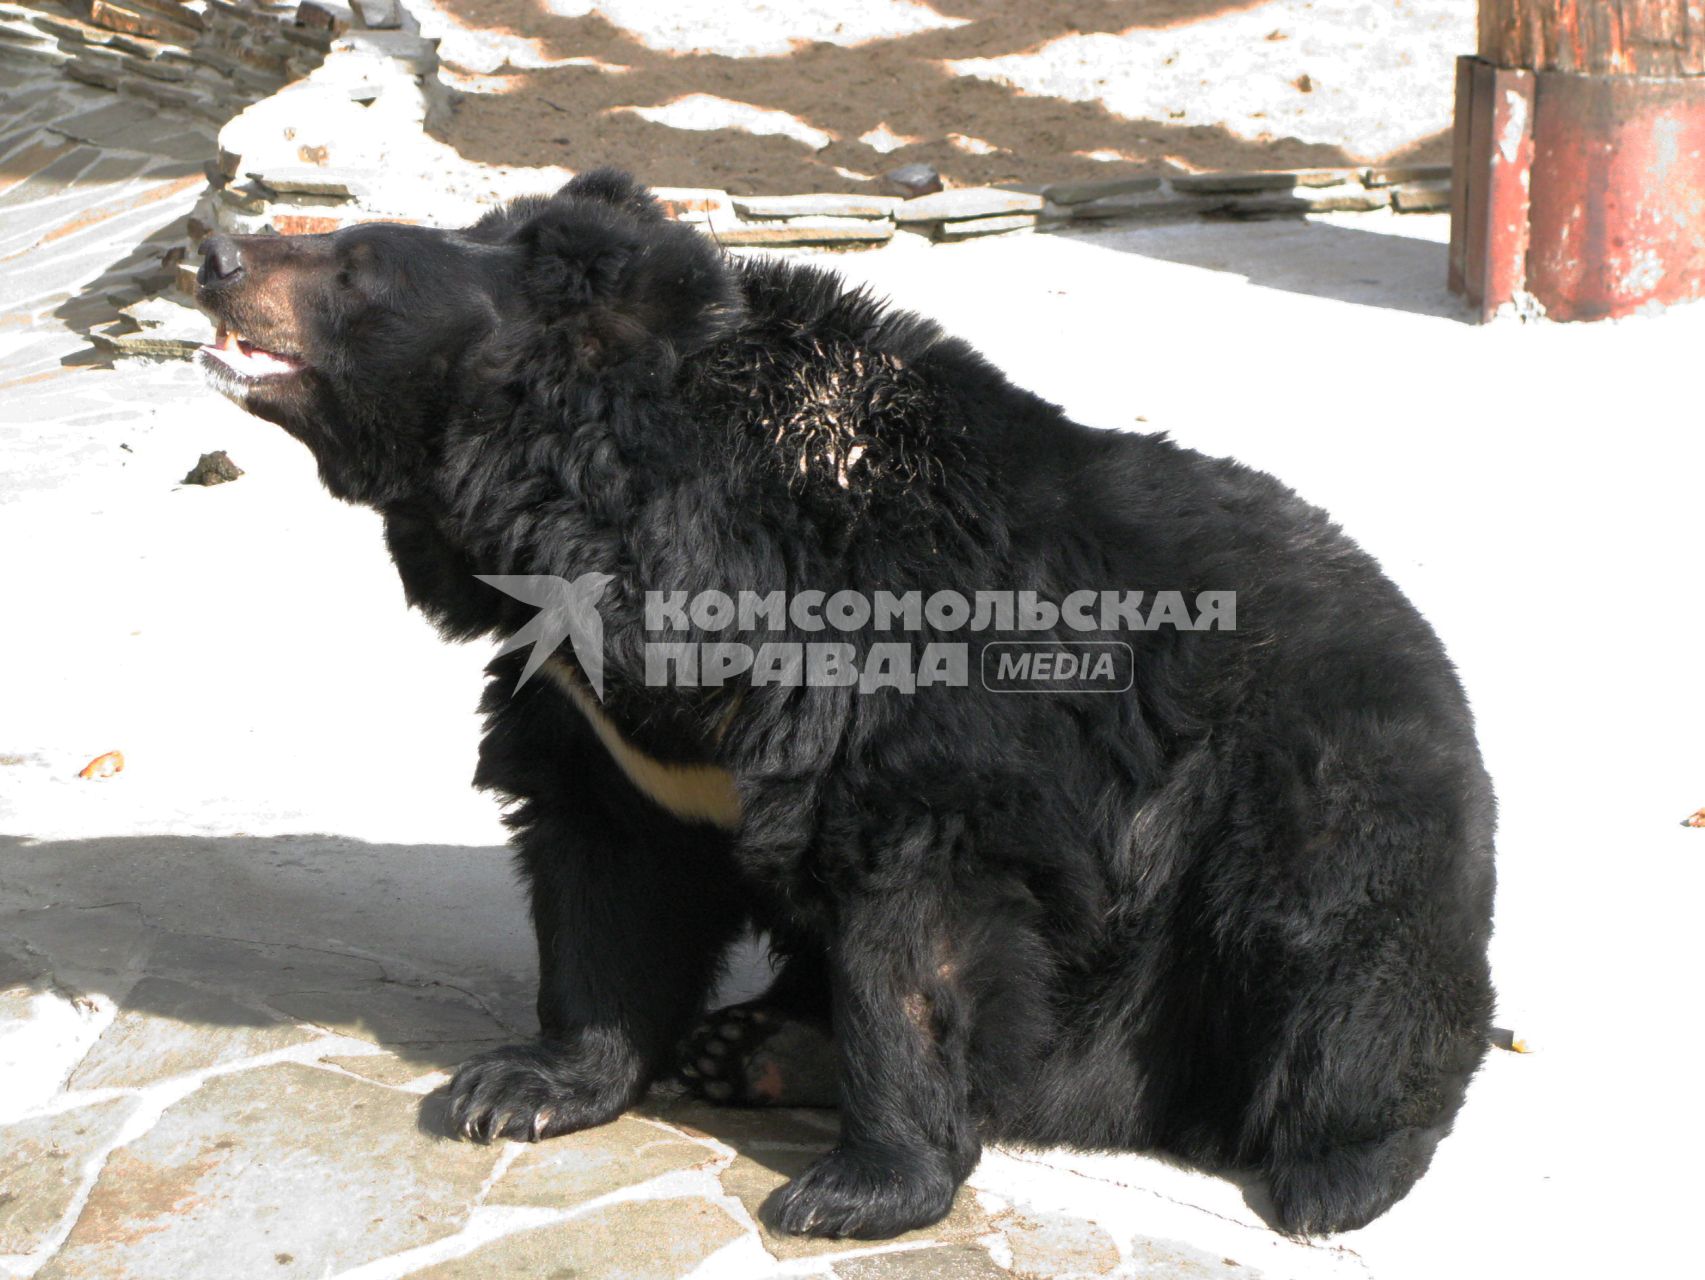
(858, 409)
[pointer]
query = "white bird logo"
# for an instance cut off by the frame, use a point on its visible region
(567, 610)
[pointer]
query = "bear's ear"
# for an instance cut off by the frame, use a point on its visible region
(635, 290)
(616, 188)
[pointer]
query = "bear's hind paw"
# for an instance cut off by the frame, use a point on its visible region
(750, 1055)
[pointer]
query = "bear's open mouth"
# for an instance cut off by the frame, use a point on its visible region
(249, 362)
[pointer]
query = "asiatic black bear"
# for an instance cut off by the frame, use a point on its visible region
(1231, 902)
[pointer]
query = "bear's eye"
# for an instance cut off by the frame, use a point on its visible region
(353, 264)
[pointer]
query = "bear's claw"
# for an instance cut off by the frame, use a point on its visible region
(528, 1092)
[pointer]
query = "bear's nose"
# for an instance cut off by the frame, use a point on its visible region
(221, 258)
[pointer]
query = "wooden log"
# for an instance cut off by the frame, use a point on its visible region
(1595, 37)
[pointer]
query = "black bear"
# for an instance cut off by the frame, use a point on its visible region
(1089, 790)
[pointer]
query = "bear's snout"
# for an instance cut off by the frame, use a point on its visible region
(252, 302)
(221, 258)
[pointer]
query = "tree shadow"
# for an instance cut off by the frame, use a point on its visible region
(563, 115)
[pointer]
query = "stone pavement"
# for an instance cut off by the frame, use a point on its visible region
(222, 1052)
(233, 976)
(94, 189)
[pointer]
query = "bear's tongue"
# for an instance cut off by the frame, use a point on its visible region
(246, 358)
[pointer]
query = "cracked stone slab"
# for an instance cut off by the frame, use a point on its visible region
(157, 328)
(1057, 1246)
(312, 180)
(736, 1127)
(41, 1168)
(21, 980)
(285, 1171)
(331, 901)
(595, 1162)
(637, 1240)
(257, 969)
(1081, 192)
(390, 1013)
(967, 202)
(398, 1064)
(803, 230)
(966, 228)
(952, 1262)
(166, 1029)
(122, 128)
(831, 205)
(1172, 1260)
(96, 946)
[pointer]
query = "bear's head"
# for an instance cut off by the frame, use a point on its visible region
(368, 343)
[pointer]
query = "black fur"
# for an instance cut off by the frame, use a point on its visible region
(1238, 914)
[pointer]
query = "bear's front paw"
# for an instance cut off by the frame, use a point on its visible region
(868, 1195)
(533, 1091)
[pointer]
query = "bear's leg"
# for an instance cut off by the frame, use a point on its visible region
(901, 1030)
(633, 911)
(1358, 890)
(631, 930)
(1372, 1072)
(774, 1051)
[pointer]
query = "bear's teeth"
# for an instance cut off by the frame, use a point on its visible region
(243, 357)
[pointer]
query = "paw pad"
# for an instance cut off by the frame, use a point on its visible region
(753, 1056)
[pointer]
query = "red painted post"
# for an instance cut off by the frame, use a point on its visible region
(1579, 158)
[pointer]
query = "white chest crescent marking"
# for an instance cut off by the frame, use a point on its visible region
(692, 792)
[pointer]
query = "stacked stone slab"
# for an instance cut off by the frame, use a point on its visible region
(965, 212)
(308, 158)
(209, 57)
(262, 184)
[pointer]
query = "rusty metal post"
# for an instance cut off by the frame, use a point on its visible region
(1579, 158)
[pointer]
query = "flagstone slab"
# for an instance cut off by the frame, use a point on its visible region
(637, 1240)
(1174, 1260)
(78, 945)
(393, 1014)
(398, 1064)
(166, 1029)
(967, 202)
(1055, 1246)
(21, 980)
(952, 1262)
(810, 1129)
(41, 1168)
(257, 969)
(581, 1166)
(285, 1171)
